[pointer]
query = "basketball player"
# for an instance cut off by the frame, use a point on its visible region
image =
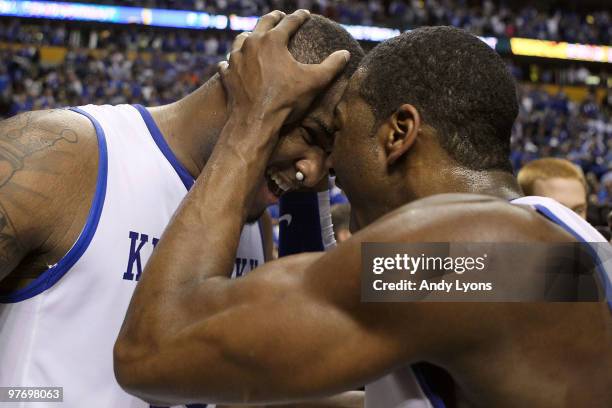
(85, 195)
(422, 151)
(556, 178)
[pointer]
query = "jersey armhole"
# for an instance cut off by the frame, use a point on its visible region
(55, 272)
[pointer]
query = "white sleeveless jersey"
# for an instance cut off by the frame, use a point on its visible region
(408, 388)
(60, 330)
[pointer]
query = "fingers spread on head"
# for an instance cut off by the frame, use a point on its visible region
(331, 67)
(268, 22)
(290, 24)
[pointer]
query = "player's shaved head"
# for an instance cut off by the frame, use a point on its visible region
(460, 86)
(319, 37)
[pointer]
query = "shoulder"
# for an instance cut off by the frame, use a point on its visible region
(471, 217)
(59, 121)
(48, 165)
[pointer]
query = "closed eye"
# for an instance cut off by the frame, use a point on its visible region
(309, 136)
(320, 138)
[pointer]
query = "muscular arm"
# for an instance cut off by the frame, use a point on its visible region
(295, 330)
(45, 163)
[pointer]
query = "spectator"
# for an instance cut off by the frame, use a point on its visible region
(558, 179)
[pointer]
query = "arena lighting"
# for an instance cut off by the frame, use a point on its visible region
(199, 20)
(561, 50)
(112, 14)
(165, 18)
(363, 33)
(359, 32)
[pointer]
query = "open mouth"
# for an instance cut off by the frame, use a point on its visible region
(276, 184)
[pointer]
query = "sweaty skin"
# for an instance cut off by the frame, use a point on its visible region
(49, 165)
(297, 328)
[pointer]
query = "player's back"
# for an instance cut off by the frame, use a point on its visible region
(59, 330)
(556, 354)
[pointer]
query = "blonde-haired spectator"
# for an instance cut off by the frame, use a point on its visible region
(556, 178)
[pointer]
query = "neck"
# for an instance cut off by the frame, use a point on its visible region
(423, 182)
(192, 125)
(455, 179)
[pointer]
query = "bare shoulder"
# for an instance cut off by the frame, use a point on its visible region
(48, 166)
(471, 217)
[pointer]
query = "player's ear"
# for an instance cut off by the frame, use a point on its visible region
(401, 132)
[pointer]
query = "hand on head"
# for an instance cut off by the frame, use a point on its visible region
(263, 79)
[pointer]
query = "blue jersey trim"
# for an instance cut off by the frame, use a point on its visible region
(161, 143)
(52, 275)
(552, 217)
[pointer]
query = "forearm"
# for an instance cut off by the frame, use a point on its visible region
(180, 263)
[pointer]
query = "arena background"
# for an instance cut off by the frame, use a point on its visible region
(154, 52)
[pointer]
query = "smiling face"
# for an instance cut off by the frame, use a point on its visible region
(301, 147)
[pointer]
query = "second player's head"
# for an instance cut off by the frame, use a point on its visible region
(299, 147)
(435, 101)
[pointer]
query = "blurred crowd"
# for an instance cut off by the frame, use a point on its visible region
(152, 79)
(548, 125)
(554, 126)
(211, 43)
(135, 64)
(485, 17)
(123, 37)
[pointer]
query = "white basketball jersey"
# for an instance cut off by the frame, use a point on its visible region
(60, 329)
(408, 388)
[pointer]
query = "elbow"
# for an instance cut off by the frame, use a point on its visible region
(130, 373)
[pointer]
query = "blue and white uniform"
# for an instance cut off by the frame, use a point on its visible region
(60, 329)
(408, 388)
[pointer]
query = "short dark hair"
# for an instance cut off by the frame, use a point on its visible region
(460, 86)
(319, 37)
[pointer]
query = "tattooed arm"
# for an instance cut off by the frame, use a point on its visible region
(48, 162)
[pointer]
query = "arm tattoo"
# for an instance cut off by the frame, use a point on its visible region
(21, 137)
